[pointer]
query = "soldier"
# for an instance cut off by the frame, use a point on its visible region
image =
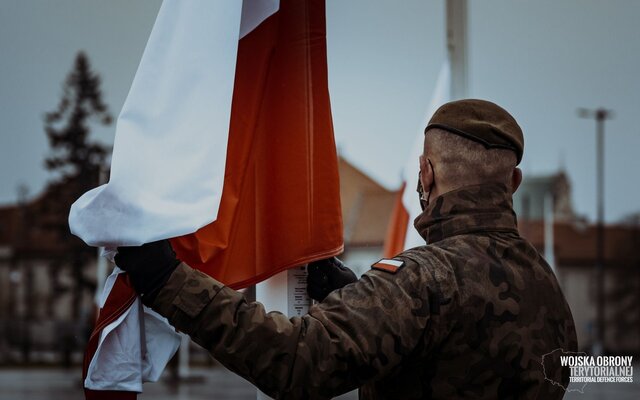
(468, 315)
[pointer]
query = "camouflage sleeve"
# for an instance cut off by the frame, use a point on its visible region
(356, 334)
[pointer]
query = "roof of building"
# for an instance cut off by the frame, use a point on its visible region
(575, 244)
(39, 228)
(366, 207)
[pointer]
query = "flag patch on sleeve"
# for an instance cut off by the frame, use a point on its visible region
(388, 265)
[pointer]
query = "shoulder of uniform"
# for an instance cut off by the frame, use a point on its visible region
(415, 273)
(417, 255)
(420, 260)
(395, 264)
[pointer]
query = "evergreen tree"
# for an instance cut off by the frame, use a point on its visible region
(78, 163)
(67, 127)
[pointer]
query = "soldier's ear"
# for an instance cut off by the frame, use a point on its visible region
(426, 173)
(516, 179)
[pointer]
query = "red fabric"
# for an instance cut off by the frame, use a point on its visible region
(119, 300)
(280, 205)
(397, 230)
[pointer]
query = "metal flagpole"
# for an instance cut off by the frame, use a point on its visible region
(456, 30)
(600, 115)
(101, 262)
(285, 292)
(549, 220)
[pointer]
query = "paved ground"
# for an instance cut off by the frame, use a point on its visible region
(215, 384)
(55, 384)
(50, 384)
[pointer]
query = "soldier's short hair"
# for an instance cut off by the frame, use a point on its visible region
(462, 162)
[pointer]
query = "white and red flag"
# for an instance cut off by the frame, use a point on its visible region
(224, 145)
(401, 234)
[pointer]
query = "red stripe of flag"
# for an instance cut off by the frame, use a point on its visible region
(280, 205)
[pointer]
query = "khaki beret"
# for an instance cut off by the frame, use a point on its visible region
(481, 121)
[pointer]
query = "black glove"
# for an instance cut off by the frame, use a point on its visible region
(327, 275)
(149, 266)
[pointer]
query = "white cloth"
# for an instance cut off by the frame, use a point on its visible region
(133, 349)
(167, 168)
(441, 95)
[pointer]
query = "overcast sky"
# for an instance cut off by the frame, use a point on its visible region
(540, 59)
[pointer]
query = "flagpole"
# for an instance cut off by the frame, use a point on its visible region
(600, 115)
(285, 292)
(549, 221)
(184, 371)
(101, 263)
(456, 36)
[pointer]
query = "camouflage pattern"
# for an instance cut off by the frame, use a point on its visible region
(470, 315)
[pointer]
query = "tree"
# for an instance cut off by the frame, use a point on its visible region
(67, 129)
(78, 163)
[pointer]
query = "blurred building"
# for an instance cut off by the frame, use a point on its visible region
(47, 281)
(573, 254)
(529, 199)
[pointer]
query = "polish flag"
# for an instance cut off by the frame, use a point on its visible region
(224, 145)
(401, 234)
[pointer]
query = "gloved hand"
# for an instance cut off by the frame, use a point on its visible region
(149, 266)
(327, 275)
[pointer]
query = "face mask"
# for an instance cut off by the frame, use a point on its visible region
(425, 202)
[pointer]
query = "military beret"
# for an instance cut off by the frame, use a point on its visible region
(481, 121)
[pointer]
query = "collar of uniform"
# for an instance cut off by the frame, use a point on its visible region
(477, 208)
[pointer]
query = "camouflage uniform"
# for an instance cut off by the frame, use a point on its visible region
(468, 316)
